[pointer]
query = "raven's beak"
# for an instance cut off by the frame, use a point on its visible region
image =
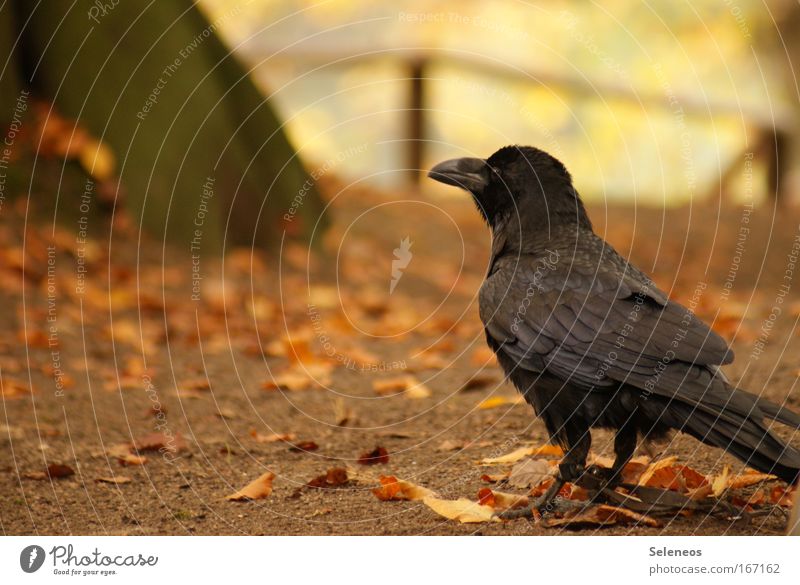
(471, 174)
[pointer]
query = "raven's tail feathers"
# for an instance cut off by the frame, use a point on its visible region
(778, 413)
(741, 433)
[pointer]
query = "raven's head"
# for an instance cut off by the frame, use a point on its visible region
(516, 180)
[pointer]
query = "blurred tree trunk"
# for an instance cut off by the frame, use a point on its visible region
(789, 59)
(152, 80)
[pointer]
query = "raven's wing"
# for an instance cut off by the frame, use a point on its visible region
(596, 324)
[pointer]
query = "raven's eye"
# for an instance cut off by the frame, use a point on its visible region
(495, 170)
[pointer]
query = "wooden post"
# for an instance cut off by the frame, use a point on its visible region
(416, 119)
(776, 148)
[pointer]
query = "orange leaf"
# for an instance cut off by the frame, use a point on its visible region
(255, 490)
(378, 455)
(463, 510)
(397, 489)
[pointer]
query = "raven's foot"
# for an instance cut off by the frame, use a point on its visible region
(648, 500)
(596, 478)
(543, 504)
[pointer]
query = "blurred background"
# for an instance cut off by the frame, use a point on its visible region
(220, 257)
(649, 103)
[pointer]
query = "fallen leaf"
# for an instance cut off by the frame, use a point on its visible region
(462, 509)
(160, 442)
(495, 477)
(195, 384)
(531, 472)
(483, 356)
(655, 466)
(54, 471)
(255, 490)
(501, 500)
(497, 401)
(782, 495)
(680, 478)
(522, 452)
(378, 455)
(304, 446)
(749, 478)
(602, 515)
(334, 477)
(272, 438)
(451, 445)
(408, 385)
(342, 415)
(12, 388)
(720, 483)
(392, 488)
(123, 454)
(479, 382)
(117, 479)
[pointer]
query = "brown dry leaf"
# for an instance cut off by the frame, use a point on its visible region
(123, 454)
(700, 492)
(451, 445)
(288, 380)
(379, 455)
(117, 479)
(655, 466)
(53, 471)
(720, 483)
(748, 478)
(301, 376)
(342, 415)
(408, 385)
(522, 452)
(334, 477)
(255, 490)
(496, 401)
(392, 488)
(495, 477)
(272, 438)
(483, 356)
(479, 382)
(680, 478)
(11, 388)
(601, 515)
(782, 495)
(530, 473)
(462, 509)
(501, 500)
(160, 442)
(304, 446)
(195, 385)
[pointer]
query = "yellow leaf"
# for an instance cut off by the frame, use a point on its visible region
(496, 401)
(720, 483)
(98, 160)
(462, 509)
(523, 452)
(399, 489)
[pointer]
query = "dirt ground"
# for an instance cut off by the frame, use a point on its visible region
(136, 355)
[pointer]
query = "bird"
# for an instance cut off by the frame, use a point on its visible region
(590, 340)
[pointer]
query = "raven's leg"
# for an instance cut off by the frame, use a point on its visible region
(625, 442)
(572, 467)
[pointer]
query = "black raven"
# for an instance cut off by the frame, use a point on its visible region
(589, 339)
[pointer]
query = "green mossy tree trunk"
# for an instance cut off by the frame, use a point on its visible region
(181, 114)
